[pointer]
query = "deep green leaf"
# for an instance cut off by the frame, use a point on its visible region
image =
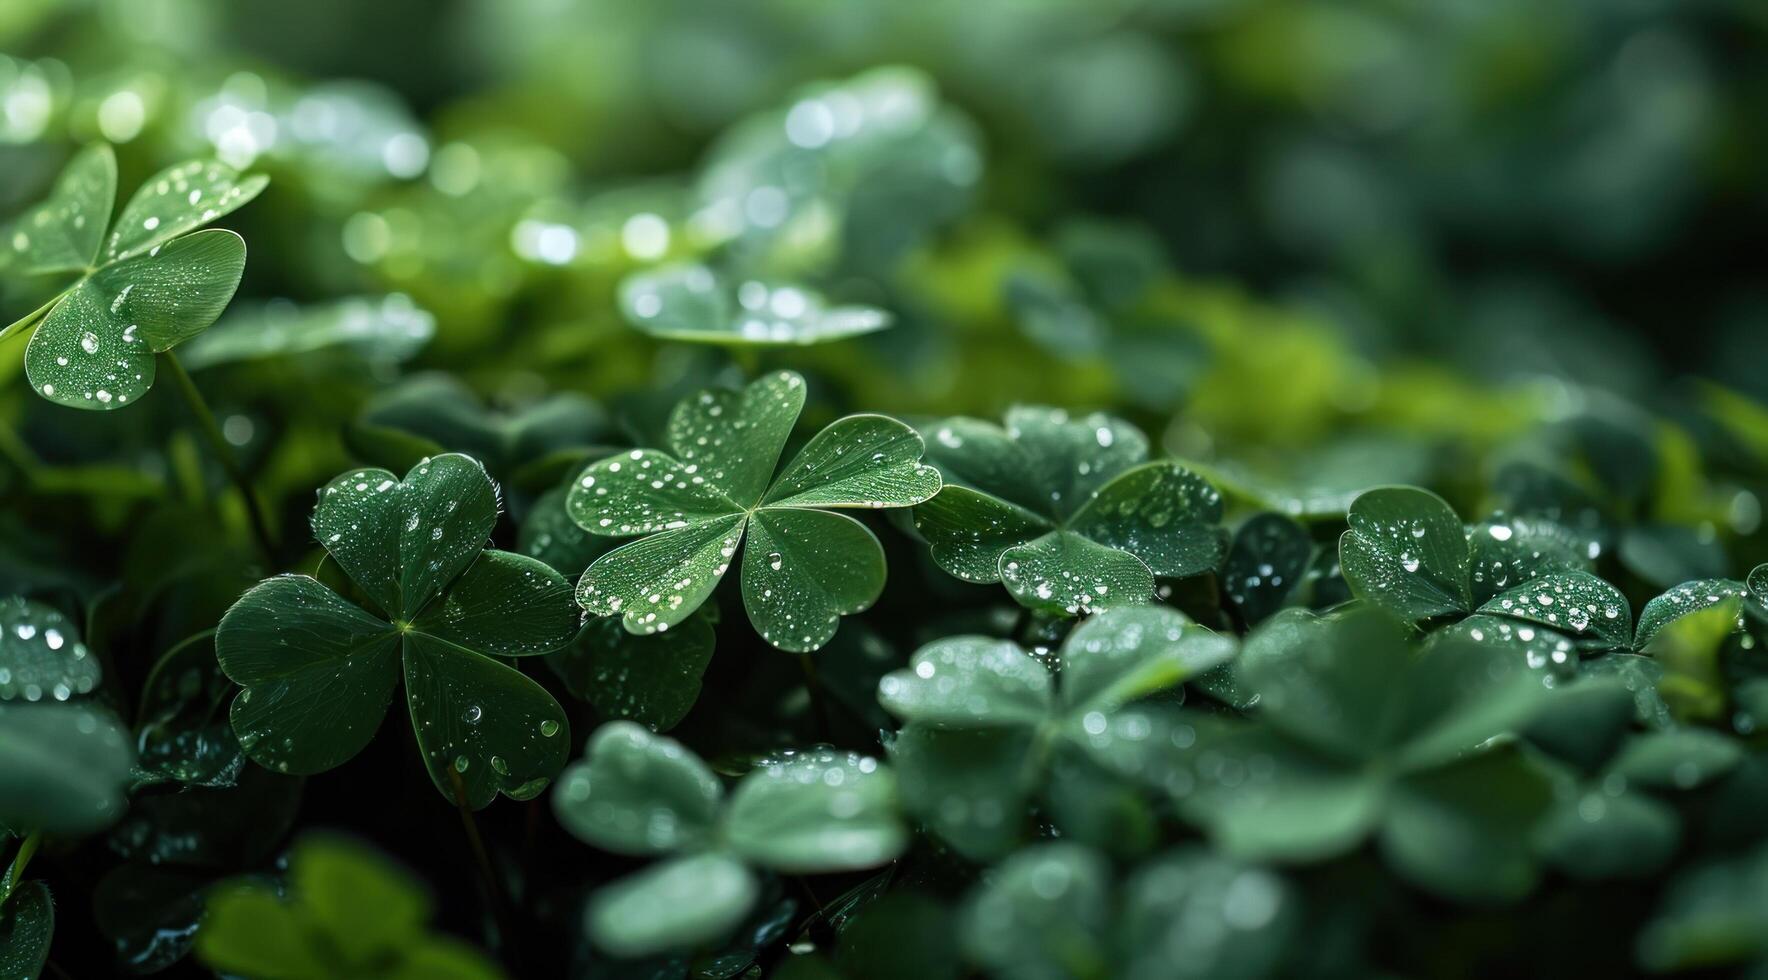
(967, 787)
(969, 530)
(1686, 598)
(1193, 915)
(653, 680)
(1594, 834)
(657, 582)
(1591, 611)
(805, 569)
(1462, 831)
(644, 492)
(858, 461)
(27, 924)
(1065, 573)
(1163, 514)
(1406, 552)
(1265, 565)
(734, 439)
(1124, 654)
(1677, 760)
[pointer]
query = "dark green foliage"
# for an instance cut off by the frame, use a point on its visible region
(1246, 489)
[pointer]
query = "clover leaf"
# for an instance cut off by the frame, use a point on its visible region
(63, 767)
(318, 670)
(380, 330)
(1265, 565)
(693, 303)
(1051, 911)
(653, 680)
(532, 445)
(154, 282)
(985, 718)
(27, 925)
(41, 656)
(805, 565)
(1066, 512)
(346, 912)
(796, 813)
(1359, 731)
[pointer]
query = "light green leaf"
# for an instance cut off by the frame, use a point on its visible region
(680, 904)
(657, 582)
(692, 303)
(644, 492)
(858, 461)
(380, 329)
(1591, 611)
(483, 728)
(179, 199)
(63, 767)
(1406, 552)
(638, 793)
(815, 811)
(653, 680)
(1687, 649)
(318, 674)
(173, 293)
(1043, 915)
(805, 569)
(81, 357)
(968, 530)
(1065, 573)
(356, 898)
(63, 233)
(1686, 598)
(27, 926)
(1124, 654)
(41, 655)
(969, 682)
(734, 439)
(1163, 514)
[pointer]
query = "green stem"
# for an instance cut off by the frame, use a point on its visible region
(218, 445)
(819, 709)
(19, 862)
(30, 319)
(488, 887)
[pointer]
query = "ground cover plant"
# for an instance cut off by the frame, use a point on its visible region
(919, 490)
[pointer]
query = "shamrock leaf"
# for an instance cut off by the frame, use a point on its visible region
(532, 445)
(1266, 564)
(63, 767)
(319, 670)
(653, 680)
(152, 284)
(804, 565)
(41, 656)
(1405, 550)
(1067, 513)
(27, 924)
(693, 303)
(382, 331)
(1359, 732)
(984, 716)
(346, 912)
(643, 794)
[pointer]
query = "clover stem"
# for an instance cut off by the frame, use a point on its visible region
(819, 708)
(489, 890)
(218, 445)
(19, 861)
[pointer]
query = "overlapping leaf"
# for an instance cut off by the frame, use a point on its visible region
(1066, 512)
(153, 283)
(804, 565)
(318, 670)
